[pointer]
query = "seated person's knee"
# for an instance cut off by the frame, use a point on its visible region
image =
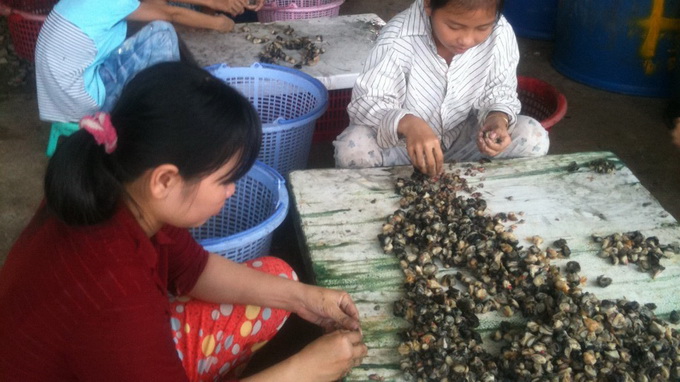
(356, 147)
(535, 136)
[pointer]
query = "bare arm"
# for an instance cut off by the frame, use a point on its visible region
(233, 7)
(224, 281)
(326, 359)
(150, 11)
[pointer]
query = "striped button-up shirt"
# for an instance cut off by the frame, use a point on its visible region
(404, 75)
(63, 52)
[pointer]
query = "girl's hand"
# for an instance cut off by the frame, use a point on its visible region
(223, 23)
(493, 137)
(232, 7)
(255, 5)
(329, 308)
(422, 145)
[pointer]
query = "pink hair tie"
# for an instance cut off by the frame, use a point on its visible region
(102, 130)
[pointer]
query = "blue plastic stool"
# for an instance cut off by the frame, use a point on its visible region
(59, 129)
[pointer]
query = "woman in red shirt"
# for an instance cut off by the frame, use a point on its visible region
(84, 291)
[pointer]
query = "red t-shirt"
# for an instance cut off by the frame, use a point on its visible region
(91, 303)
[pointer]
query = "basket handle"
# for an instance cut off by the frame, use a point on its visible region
(280, 181)
(281, 187)
(213, 67)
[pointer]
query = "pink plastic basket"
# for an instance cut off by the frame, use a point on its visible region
(23, 30)
(335, 119)
(541, 101)
(278, 10)
(24, 20)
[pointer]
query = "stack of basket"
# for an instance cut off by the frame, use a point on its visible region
(24, 20)
(288, 102)
(278, 10)
(541, 101)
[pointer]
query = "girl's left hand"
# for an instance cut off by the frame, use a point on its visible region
(493, 137)
(255, 5)
(232, 7)
(329, 308)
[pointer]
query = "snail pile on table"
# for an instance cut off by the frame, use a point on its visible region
(459, 261)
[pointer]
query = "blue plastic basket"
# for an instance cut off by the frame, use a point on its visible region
(243, 229)
(288, 101)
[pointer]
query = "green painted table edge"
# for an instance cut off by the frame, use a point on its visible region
(335, 211)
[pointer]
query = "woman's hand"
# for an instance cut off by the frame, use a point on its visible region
(331, 356)
(329, 308)
(328, 358)
(493, 137)
(422, 145)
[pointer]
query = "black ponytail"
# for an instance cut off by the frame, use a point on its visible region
(78, 184)
(170, 113)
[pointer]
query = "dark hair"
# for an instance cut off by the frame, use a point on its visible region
(169, 113)
(468, 4)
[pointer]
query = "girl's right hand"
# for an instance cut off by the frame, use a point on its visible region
(422, 145)
(223, 23)
(330, 357)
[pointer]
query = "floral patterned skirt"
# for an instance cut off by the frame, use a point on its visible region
(216, 341)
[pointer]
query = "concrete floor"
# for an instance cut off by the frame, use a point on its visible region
(631, 127)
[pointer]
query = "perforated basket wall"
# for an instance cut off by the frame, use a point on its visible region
(541, 101)
(243, 229)
(41, 7)
(335, 119)
(280, 10)
(24, 20)
(23, 30)
(288, 102)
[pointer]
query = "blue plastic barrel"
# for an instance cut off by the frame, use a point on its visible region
(624, 46)
(533, 19)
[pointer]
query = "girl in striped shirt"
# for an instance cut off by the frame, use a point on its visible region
(439, 85)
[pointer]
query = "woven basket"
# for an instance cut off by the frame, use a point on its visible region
(541, 101)
(281, 10)
(288, 102)
(24, 20)
(244, 228)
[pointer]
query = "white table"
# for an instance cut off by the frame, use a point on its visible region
(341, 211)
(346, 40)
